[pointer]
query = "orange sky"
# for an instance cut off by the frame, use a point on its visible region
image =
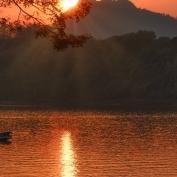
(163, 6)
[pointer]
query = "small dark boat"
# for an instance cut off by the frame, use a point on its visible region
(5, 136)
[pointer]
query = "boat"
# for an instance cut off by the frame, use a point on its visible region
(4, 136)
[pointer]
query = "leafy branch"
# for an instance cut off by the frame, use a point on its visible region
(48, 19)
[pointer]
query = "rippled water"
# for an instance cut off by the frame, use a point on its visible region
(78, 144)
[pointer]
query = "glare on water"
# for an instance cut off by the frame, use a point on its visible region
(68, 160)
(86, 144)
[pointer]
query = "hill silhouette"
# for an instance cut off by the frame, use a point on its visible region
(108, 18)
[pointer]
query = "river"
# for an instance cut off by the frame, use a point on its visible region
(88, 144)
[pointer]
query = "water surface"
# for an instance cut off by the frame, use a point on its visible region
(88, 144)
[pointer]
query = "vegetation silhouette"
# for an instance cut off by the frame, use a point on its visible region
(121, 69)
(48, 18)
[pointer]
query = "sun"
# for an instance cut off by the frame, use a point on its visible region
(65, 5)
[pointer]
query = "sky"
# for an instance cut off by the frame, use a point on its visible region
(162, 6)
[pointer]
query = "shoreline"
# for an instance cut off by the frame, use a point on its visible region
(136, 106)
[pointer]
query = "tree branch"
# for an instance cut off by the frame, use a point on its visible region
(28, 14)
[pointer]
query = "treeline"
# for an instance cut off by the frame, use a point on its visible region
(131, 67)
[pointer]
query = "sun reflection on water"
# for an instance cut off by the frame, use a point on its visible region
(68, 160)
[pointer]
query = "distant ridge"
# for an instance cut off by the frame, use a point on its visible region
(124, 3)
(108, 18)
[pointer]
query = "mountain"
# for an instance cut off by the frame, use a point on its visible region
(108, 18)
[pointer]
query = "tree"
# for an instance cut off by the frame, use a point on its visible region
(48, 18)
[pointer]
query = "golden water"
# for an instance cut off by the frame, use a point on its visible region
(78, 144)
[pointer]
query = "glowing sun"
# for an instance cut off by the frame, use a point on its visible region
(68, 4)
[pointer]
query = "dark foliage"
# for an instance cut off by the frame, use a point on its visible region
(136, 66)
(47, 18)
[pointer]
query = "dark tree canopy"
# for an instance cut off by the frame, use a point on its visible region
(113, 71)
(47, 18)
